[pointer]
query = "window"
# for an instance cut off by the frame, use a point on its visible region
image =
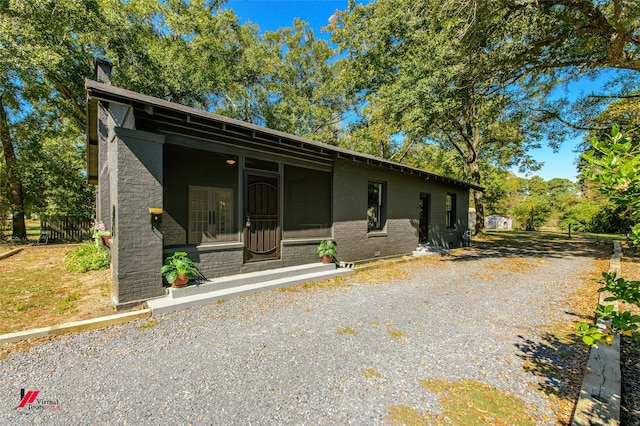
(375, 207)
(450, 208)
(211, 215)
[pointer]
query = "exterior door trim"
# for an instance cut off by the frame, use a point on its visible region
(261, 232)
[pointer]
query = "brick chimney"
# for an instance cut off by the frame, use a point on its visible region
(103, 71)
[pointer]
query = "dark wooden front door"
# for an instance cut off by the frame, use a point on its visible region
(423, 215)
(262, 218)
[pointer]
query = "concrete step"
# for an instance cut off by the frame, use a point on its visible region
(253, 285)
(240, 280)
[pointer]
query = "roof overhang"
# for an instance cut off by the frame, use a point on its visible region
(101, 92)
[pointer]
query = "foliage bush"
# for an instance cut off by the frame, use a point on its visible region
(613, 166)
(580, 217)
(611, 220)
(621, 322)
(592, 217)
(87, 257)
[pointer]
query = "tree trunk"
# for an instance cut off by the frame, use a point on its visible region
(19, 229)
(474, 166)
(478, 196)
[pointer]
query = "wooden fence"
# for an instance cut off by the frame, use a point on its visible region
(67, 228)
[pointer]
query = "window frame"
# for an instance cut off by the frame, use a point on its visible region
(450, 209)
(379, 208)
(216, 196)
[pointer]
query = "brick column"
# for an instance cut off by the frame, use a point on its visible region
(135, 163)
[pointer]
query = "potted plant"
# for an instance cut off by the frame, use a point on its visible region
(327, 251)
(178, 269)
(101, 236)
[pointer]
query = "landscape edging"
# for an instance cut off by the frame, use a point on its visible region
(75, 326)
(600, 395)
(10, 253)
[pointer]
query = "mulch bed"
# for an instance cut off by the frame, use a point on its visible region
(630, 351)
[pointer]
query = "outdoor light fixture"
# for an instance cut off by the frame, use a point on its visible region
(231, 161)
(156, 217)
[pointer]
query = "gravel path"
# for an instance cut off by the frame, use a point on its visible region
(317, 356)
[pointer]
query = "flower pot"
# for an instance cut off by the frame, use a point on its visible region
(106, 240)
(326, 259)
(181, 281)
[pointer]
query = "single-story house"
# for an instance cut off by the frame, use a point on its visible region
(238, 197)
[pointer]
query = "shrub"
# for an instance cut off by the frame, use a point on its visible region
(612, 220)
(87, 257)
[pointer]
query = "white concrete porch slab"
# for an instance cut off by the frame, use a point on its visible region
(240, 280)
(228, 287)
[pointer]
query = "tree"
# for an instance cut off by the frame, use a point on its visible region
(430, 71)
(182, 51)
(532, 212)
(52, 160)
(574, 35)
(503, 191)
(43, 54)
(535, 186)
(579, 217)
(303, 99)
(566, 40)
(563, 193)
(249, 62)
(177, 50)
(19, 229)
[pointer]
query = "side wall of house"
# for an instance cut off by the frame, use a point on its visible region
(135, 163)
(439, 234)
(402, 193)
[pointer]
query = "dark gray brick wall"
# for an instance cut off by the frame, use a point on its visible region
(439, 234)
(174, 233)
(213, 262)
(136, 186)
(300, 253)
(400, 235)
(135, 164)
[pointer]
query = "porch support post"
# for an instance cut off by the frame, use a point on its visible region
(103, 197)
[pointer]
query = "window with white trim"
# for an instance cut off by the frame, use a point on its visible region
(211, 215)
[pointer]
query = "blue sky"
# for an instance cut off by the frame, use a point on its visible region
(270, 15)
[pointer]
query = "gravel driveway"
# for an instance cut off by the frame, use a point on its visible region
(340, 355)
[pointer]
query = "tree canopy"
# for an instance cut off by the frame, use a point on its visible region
(438, 72)
(475, 77)
(192, 52)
